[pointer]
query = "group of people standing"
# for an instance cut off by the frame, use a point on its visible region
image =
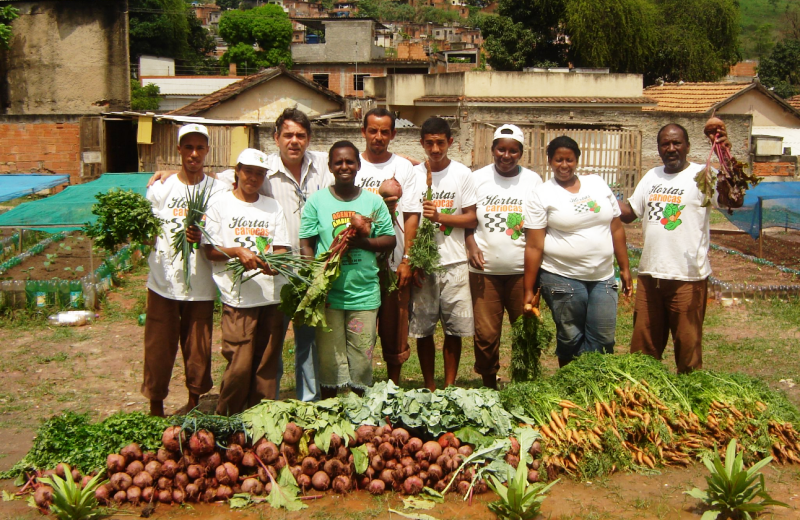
(503, 235)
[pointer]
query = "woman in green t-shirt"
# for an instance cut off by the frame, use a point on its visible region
(345, 351)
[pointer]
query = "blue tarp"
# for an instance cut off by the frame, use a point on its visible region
(13, 186)
(779, 207)
(72, 208)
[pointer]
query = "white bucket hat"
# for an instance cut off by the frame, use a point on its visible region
(252, 157)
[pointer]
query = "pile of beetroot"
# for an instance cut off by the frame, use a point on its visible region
(197, 469)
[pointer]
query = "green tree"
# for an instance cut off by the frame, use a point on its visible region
(7, 15)
(764, 40)
(434, 15)
(267, 27)
(780, 70)
(690, 40)
(386, 10)
(144, 98)
(618, 34)
(158, 28)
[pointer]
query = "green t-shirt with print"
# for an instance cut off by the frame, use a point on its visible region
(324, 217)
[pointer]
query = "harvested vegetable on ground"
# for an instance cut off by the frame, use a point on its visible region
(305, 300)
(529, 338)
(122, 217)
(197, 199)
(731, 171)
(424, 253)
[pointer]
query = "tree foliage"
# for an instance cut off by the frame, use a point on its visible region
(169, 28)
(780, 70)
(690, 40)
(267, 27)
(7, 15)
(158, 28)
(144, 98)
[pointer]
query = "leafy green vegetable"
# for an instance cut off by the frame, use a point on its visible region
(424, 252)
(529, 338)
(360, 459)
(520, 500)
(284, 493)
(122, 216)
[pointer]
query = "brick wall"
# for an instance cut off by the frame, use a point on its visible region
(41, 147)
(769, 169)
(411, 51)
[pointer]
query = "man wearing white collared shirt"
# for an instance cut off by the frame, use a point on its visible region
(294, 173)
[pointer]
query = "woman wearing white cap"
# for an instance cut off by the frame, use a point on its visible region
(240, 224)
(496, 248)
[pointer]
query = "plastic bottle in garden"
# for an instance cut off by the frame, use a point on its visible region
(52, 292)
(18, 288)
(41, 293)
(89, 293)
(63, 294)
(75, 293)
(72, 318)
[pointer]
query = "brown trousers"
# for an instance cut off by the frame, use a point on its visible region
(171, 323)
(664, 306)
(393, 326)
(249, 343)
(491, 295)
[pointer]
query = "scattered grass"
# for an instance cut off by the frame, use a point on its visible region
(51, 358)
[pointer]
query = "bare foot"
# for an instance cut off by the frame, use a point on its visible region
(191, 404)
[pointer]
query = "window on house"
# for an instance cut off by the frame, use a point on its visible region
(358, 81)
(321, 79)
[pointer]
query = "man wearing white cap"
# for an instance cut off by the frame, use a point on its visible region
(496, 247)
(178, 314)
(242, 223)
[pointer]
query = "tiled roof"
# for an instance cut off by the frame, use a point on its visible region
(234, 89)
(794, 101)
(693, 97)
(744, 68)
(543, 100)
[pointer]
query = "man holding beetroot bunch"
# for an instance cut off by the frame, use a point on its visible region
(672, 286)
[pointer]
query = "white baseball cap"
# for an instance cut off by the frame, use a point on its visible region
(192, 128)
(252, 157)
(510, 132)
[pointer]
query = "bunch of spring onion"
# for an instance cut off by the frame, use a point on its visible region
(424, 253)
(305, 296)
(287, 264)
(197, 199)
(731, 171)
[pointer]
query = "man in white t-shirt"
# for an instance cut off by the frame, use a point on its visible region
(672, 286)
(179, 314)
(377, 165)
(445, 295)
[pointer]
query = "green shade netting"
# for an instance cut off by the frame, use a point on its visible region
(13, 186)
(72, 208)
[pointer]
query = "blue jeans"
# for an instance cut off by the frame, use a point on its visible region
(585, 314)
(306, 362)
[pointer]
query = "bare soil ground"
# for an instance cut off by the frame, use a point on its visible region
(68, 259)
(97, 369)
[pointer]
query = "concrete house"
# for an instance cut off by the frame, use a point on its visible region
(263, 96)
(346, 54)
(67, 63)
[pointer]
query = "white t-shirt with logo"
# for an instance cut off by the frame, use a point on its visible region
(254, 225)
(675, 227)
(500, 234)
(370, 177)
(578, 242)
(453, 189)
(166, 275)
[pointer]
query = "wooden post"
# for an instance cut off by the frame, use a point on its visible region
(760, 228)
